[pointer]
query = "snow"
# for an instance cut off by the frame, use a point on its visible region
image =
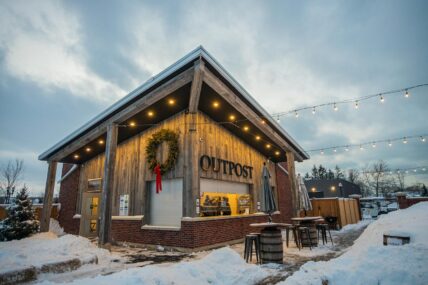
(44, 248)
(368, 261)
(222, 266)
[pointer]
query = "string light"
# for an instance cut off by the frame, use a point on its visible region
(313, 110)
(322, 152)
(278, 120)
(355, 101)
(371, 143)
(422, 139)
(295, 114)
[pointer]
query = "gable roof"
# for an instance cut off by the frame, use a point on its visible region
(155, 81)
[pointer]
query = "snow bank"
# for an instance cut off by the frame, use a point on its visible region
(46, 248)
(223, 266)
(368, 261)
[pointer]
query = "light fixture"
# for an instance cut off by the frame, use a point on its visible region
(277, 152)
(246, 128)
(390, 172)
(373, 145)
(313, 110)
(216, 104)
(171, 102)
(423, 169)
(347, 148)
(257, 138)
(322, 151)
(232, 117)
(398, 171)
(101, 142)
(407, 94)
(76, 156)
(389, 143)
(263, 122)
(333, 188)
(150, 113)
(88, 149)
(132, 124)
(382, 99)
(414, 170)
(422, 139)
(296, 114)
(335, 107)
(313, 189)
(407, 171)
(356, 105)
(404, 140)
(361, 147)
(278, 120)
(268, 146)
(335, 150)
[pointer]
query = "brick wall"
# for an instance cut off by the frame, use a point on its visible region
(285, 203)
(68, 199)
(405, 202)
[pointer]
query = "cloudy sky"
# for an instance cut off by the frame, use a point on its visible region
(62, 63)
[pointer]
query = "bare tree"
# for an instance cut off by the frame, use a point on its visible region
(353, 175)
(10, 175)
(365, 181)
(400, 180)
(378, 175)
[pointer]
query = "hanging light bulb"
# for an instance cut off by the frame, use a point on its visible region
(313, 110)
(398, 171)
(361, 147)
(407, 94)
(389, 143)
(390, 172)
(414, 170)
(407, 171)
(404, 140)
(347, 148)
(322, 151)
(382, 99)
(296, 114)
(356, 104)
(278, 120)
(423, 169)
(422, 139)
(335, 150)
(335, 107)
(373, 145)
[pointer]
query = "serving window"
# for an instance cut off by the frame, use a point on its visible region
(221, 198)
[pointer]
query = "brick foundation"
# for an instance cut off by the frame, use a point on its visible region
(68, 200)
(193, 234)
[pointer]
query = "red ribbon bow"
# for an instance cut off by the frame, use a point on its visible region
(157, 170)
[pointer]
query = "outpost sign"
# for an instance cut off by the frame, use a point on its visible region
(228, 167)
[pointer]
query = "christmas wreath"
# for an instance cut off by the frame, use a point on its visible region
(157, 138)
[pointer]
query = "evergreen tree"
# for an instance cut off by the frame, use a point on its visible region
(330, 174)
(338, 173)
(307, 176)
(424, 191)
(20, 222)
(315, 174)
(322, 172)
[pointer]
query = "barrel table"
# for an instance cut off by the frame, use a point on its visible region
(310, 223)
(271, 242)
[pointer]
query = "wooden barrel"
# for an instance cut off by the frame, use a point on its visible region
(271, 246)
(313, 237)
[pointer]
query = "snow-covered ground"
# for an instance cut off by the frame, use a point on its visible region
(368, 261)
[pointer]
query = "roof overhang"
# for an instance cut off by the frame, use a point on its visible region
(181, 72)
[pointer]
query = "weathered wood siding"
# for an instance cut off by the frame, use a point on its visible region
(132, 173)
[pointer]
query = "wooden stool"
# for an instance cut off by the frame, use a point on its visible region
(294, 230)
(323, 228)
(251, 239)
(305, 237)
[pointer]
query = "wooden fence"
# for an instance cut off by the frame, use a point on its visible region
(37, 208)
(346, 210)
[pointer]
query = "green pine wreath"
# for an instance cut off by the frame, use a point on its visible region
(157, 138)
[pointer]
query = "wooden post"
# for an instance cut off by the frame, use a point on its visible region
(293, 182)
(47, 201)
(191, 145)
(104, 234)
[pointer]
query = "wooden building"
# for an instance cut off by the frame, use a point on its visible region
(211, 139)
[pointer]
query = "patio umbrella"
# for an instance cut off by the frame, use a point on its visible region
(303, 199)
(268, 201)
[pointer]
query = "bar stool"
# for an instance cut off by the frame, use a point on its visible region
(307, 238)
(292, 228)
(250, 239)
(323, 228)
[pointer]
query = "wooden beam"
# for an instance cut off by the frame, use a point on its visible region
(195, 91)
(191, 180)
(245, 110)
(104, 234)
(293, 182)
(47, 201)
(138, 106)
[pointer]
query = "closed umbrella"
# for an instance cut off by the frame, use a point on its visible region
(304, 202)
(268, 201)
